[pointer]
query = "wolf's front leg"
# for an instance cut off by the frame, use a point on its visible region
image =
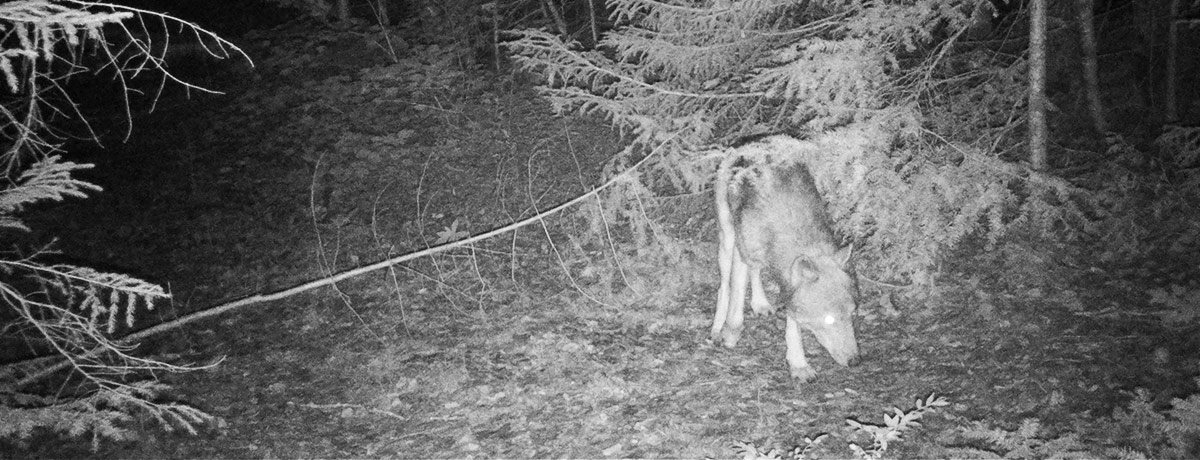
(758, 298)
(795, 353)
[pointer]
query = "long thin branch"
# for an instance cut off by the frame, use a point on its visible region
(260, 298)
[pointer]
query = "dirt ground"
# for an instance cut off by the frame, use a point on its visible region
(525, 346)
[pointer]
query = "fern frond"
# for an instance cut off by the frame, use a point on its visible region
(105, 414)
(104, 294)
(842, 77)
(1127, 454)
(48, 179)
(101, 296)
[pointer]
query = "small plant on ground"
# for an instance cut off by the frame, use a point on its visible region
(749, 451)
(1141, 429)
(891, 430)
(893, 427)
(1030, 440)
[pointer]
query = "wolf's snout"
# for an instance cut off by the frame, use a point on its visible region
(851, 361)
(842, 347)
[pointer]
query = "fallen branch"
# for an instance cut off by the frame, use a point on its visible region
(260, 298)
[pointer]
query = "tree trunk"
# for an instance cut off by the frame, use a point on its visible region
(555, 13)
(384, 15)
(343, 10)
(1037, 84)
(592, 22)
(1170, 105)
(1091, 80)
(494, 14)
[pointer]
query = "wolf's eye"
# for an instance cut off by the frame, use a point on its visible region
(830, 319)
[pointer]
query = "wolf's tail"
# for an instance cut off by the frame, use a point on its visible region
(721, 190)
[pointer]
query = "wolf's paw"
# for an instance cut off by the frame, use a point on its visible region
(762, 309)
(804, 374)
(730, 336)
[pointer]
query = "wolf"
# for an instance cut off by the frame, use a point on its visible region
(772, 217)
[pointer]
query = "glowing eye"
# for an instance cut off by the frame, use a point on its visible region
(829, 319)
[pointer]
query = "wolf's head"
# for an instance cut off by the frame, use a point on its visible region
(823, 299)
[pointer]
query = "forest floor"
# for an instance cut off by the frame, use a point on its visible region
(334, 154)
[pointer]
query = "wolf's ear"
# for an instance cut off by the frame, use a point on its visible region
(843, 255)
(802, 271)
